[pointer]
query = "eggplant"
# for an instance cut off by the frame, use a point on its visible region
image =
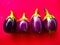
(23, 24)
(36, 22)
(10, 24)
(50, 23)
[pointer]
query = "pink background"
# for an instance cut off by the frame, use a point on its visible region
(29, 6)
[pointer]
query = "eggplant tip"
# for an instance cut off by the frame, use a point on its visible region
(11, 13)
(36, 11)
(23, 14)
(48, 15)
(24, 17)
(45, 10)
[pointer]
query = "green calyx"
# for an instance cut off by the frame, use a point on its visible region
(23, 17)
(36, 13)
(47, 14)
(11, 16)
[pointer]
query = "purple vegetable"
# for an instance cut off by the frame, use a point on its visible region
(50, 23)
(36, 22)
(10, 24)
(23, 24)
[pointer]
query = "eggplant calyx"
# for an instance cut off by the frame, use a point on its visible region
(47, 14)
(24, 17)
(36, 13)
(11, 15)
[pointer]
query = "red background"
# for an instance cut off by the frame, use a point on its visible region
(29, 6)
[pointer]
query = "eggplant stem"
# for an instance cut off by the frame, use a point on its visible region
(24, 17)
(36, 12)
(11, 15)
(47, 14)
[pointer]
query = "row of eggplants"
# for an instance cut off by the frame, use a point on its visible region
(49, 23)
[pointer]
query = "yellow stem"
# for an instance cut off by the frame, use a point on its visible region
(11, 14)
(47, 13)
(36, 12)
(23, 17)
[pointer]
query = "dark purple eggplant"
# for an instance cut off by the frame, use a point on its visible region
(23, 24)
(10, 24)
(50, 23)
(36, 22)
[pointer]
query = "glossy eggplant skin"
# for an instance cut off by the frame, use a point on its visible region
(10, 25)
(36, 24)
(50, 24)
(23, 26)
